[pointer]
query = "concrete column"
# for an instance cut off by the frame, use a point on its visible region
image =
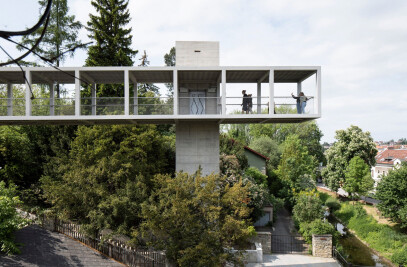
(51, 100)
(223, 92)
(317, 100)
(77, 94)
(271, 90)
(126, 93)
(175, 85)
(197, 145)
(93, 98)
(135, 98)
(9, 99)
(299, 88)
(28, 104)
(259, 98)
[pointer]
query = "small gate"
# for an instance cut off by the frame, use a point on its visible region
(289, 244)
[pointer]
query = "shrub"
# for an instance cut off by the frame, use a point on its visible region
(400, 256)
(9, 219)
(333, 204)
(317, 227)
(323, 196)
(308, 207)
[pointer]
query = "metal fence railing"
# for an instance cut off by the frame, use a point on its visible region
(118, 250)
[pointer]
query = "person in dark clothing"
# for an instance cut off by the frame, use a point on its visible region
(244, 102)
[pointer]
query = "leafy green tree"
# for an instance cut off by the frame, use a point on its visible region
(110, 169)
(10, 221)
(268, 147)
(196, 220)
(112, 41)
(318, 227)
(169, 60)
(358, 180)
(350, 143)
(296, 165)
(392, 193)
(308, 132)
(229, 146)
(308, 207)
(16, 157)
(61, 34)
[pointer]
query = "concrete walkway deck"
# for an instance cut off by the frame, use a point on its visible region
(294, 260)
(43, 248)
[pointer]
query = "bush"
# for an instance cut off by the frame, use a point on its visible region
(317, 227)
(256, 175)
(333, 204)
(400, 256)
(308, 207)
(323, 196)
(9, 219)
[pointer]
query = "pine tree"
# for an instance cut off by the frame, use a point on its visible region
(61, 34)
(112, 39)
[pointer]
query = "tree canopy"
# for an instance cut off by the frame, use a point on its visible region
(358, 180)
(392, 193)
(61, 35)
(197, 220)
(350, 143)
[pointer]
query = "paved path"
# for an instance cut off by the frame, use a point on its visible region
(43, 248)
(294, 260)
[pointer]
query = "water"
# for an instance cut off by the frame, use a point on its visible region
(355, 251)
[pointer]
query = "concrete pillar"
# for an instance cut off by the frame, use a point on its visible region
(9, 99)
(223, 92)
(77, 94)
(299, 88)
(197, 145)
(135, 98)
(28, 93)
(259, 98)
(271, 90)
(93, 98)
(317, 100)
(126, 93)
(175, 85)
(51, 100)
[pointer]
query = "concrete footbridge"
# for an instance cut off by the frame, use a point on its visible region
(204, 96)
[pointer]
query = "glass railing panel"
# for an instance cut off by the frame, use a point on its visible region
(152, 106)
(289, 105)
(102, 106)
(64, 106)
(13, 107)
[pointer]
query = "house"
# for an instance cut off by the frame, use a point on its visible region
(256, 159)
(387, 160)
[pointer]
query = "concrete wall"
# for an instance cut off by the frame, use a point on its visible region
(197, 53)
(211, 104)
(197, 144)
(322, 246)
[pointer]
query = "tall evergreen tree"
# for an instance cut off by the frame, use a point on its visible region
(112, 39)
(61, 34)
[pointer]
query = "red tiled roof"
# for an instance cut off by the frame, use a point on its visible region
(388, 156)
(255, 152)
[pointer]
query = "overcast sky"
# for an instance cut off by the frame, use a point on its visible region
(361, 46)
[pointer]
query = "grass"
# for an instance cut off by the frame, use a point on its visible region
(380, 237)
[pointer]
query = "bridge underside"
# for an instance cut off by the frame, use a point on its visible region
(154, 119)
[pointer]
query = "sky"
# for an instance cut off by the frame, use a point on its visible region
(361, 46)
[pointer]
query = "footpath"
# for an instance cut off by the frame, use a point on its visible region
(43, 248)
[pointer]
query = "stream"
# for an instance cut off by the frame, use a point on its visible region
(356, 252)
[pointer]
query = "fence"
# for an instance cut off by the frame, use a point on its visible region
(288, 244)
(118, 250)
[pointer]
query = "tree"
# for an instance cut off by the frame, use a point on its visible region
(296, 164)
(110, 169)
(268, 147)
(112, 41)
(392, 193)
(308, 132)
(228, 146)
(61, 34)
(196, 220)
(308, 207)
(350, 143)
(10, 221)
(358, 180)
